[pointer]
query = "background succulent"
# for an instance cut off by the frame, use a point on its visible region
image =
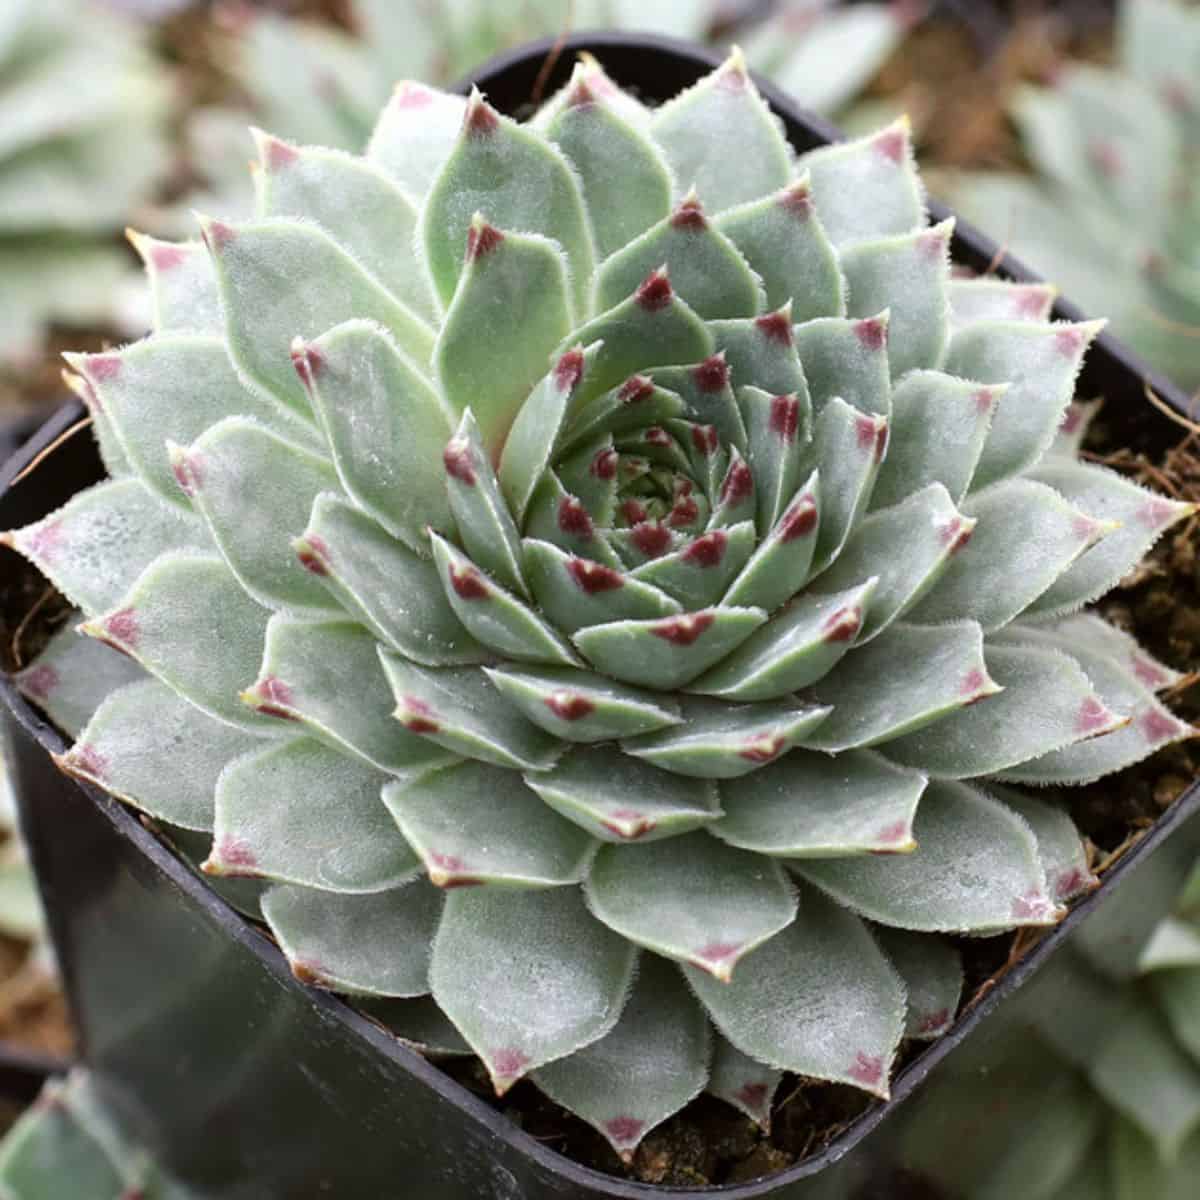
(70, 1144)
(1100, 1075)
(315, 84)
(1112, 211)
(81, 143)
(606, 573)
(21, 915)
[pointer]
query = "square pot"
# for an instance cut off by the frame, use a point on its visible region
(250, 1086)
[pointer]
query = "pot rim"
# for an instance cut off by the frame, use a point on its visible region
(910, 1077)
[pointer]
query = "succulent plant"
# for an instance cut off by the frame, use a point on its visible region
(1100, 1078)
(1112, 210)
(606, 574)
(80, 145)
(69, 1143)
(314, 84)
(21, 915)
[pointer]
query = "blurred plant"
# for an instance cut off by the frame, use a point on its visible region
(81, 143)
(21, 916)
(1097, 1094)
(69, 1144)
(1112, 209)
(315, 84)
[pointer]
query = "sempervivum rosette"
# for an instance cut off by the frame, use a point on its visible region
(579, 563)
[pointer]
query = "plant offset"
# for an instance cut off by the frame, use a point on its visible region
(607, 575)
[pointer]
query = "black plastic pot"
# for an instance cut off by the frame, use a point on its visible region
(250, 1086)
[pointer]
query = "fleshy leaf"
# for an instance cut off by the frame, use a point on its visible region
(718, 121)
(509, 311)
(418, 1023)
(303, 813)
(626, 182)
(171, 389)
(579, 706)
(492, 615)
(908, 677)
(415, 135)
(325, 287)
(1061, 849)
(939, 425)
(648, 1067)
(536, 433)
(1143, 516)
(355, 203)
(867, 188)
(708, 397)
(909, 274)
(165, 623)
(519, 181)
(906, 548)
(722, 741)
(813, 805)
(308, 670)
(654, 325)
(367, 395)
(762, 351)
(99, 542)
(383, 585)
(700, 572)
(783, 240)
(799, 645)
(154, 750)
(1151, 726)
(183, 288)
(619, 799)
(1023, 537)
(374, 945)
(459, 709)
(72, 676)
(1040, 362)
(975, 868)
(236, 459)
(560, 519)
(1047, 703)
(669, 652)
(527, 976)
(739, 1080)
(574, 592)
(992, 299)
(706, 268)
(820, 1000)
(473, 823)
(630, 408)
(848, 360)
(849, 446)
(485, 527)
(933, 978)
(780, 565)
(691, 898)
(776, 432)
(1089, 631)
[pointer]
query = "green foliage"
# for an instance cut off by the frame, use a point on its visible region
(81, 146)
(1111, 212)
(555, 631)
(316, 85)
(69, 1143)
